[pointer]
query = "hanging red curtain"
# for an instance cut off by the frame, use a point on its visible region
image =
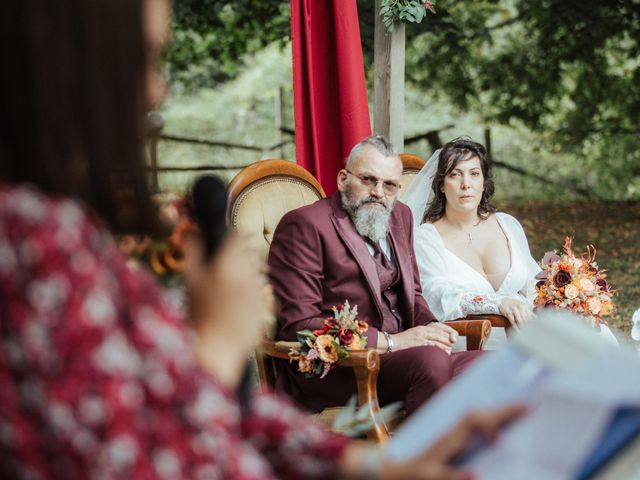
(329, 89)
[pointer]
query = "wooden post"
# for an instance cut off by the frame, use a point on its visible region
(279, 120)
(154, 124)
(388, 83)
(487, 143)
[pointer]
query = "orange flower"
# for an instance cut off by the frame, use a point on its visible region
(362, 326)
(606, 309)
(326, 348)
(156, 263)
(305, 365)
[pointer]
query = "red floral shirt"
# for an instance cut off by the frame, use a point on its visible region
(97, 374)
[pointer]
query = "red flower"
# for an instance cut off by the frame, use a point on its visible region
(429, 6)
(346, 336)
(602, 283)
(561, 279)
(330, 323)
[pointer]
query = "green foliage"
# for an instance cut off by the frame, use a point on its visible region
(566, 70)
(394, 11)
(210, 36)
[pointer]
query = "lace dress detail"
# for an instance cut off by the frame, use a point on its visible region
(471, 303)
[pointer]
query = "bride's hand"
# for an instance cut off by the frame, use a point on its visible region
(435, 334)
(516, 311)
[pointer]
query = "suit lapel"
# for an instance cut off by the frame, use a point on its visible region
(356, 245)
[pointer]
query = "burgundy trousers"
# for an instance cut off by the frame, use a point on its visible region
(414, 374)
(410, 376)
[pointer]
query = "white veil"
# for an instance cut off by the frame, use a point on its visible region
(420, 192)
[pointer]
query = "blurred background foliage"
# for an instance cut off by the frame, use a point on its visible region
(555, 81)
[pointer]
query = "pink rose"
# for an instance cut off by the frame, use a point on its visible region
(570, 291)
(595, 305)
(586, 285)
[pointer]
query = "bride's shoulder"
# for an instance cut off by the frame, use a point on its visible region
(510, 222)
(506, 218)
(427, 230)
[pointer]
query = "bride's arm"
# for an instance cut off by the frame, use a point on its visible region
(527, 292)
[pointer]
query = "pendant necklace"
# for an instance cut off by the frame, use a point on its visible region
(469, 236)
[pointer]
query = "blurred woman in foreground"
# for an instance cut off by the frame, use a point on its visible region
(97, 373)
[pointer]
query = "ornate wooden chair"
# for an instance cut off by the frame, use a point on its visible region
(411, 165)
(259, 196)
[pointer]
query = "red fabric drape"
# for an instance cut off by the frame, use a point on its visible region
(329, 89)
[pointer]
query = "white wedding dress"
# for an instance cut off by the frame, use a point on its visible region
(454, 289)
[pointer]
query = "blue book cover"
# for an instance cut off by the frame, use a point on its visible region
(624, 427)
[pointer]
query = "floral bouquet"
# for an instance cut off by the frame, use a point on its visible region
(320, 349)
(164, 258)
(574, 283)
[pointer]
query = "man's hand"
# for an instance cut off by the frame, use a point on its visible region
(435, 334)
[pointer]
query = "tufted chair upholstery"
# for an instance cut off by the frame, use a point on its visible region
(411, 165)
(263, 192)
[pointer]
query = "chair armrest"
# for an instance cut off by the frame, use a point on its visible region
(365, 365)
(477, 331)
(496, 320)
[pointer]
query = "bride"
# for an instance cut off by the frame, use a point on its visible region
(471, 258)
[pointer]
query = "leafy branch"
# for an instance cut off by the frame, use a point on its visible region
(394, 11)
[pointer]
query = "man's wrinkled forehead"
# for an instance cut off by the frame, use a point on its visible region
(370, 160)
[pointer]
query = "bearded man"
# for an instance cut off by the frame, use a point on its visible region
(357, 245)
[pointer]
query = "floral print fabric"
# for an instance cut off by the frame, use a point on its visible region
(97, 375)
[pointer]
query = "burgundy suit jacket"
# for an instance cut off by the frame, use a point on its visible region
(318, 260)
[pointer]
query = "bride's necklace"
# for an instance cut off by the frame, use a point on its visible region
(467, 230)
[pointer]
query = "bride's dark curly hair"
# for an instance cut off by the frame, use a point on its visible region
(456, 151)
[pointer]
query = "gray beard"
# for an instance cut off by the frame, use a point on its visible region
(371, 221)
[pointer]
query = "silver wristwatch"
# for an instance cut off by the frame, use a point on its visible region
(389, 341)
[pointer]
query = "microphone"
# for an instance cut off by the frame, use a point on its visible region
(209, 202)
(209, 205)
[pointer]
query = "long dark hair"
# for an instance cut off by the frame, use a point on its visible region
(71, 104)
(454, 152)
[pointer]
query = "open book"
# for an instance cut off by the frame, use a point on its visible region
(584, 398)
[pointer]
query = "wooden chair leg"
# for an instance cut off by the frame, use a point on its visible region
(366, 365)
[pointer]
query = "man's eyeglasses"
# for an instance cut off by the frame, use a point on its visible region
(390, 187)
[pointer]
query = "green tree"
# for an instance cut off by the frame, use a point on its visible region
(568, 70)
(211, 36)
